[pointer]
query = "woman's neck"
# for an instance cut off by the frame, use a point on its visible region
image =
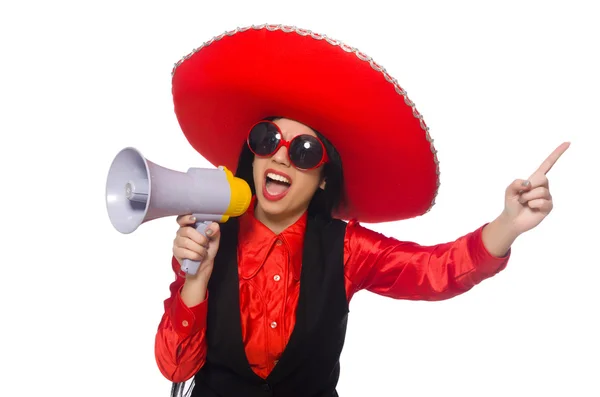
(276, 223)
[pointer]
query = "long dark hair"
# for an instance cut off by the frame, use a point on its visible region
(325, 201)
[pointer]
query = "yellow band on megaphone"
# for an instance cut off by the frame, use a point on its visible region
(241, 195)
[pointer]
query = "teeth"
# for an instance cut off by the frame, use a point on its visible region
(278, 178)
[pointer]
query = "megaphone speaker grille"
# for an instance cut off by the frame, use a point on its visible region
(128, 190)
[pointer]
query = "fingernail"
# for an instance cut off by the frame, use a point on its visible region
(209, 232)
(525, 183)
(193, 219)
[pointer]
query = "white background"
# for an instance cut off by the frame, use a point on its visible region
(500, 84)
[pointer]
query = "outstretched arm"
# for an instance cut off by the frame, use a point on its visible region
(407, 270)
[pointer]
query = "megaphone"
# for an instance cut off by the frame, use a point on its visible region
(138, 191)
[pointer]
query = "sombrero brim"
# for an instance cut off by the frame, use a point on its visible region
(220, 89)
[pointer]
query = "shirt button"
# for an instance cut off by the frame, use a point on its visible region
(273, 324)
(277, 277)
(184, 323)
(278, 242)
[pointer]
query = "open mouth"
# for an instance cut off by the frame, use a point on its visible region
(276, 185)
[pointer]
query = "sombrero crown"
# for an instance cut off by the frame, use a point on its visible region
(221, 88)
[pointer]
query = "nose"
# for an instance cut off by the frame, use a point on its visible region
(281, 156)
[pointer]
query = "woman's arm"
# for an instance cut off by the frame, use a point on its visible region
(406, 270)
(498, 236)
(180, 343)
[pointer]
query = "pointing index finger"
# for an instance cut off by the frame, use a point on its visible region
(553, 158)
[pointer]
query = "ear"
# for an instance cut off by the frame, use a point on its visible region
(323, 183)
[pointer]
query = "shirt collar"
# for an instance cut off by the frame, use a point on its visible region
(256, 241)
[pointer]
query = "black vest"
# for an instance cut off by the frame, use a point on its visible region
(309, 366)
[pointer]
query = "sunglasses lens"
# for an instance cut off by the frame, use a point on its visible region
(263, 139)
(306, 151)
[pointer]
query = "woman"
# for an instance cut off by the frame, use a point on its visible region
(266, 313)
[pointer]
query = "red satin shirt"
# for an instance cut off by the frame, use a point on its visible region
(269, 274)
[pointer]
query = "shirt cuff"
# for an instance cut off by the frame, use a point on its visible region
(188, 320)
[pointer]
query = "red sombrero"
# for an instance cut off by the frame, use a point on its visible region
(240, 77)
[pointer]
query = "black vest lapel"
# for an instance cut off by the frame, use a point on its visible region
(315, 289)
(224, 335)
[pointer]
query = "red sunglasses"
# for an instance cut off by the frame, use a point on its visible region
(305, 152)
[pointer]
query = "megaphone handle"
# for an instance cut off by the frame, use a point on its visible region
(189, 266)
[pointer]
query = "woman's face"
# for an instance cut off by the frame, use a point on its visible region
(282, 190)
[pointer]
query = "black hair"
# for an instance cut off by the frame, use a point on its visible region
(325, 201)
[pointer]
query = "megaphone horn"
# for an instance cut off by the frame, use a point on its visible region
(137, 191)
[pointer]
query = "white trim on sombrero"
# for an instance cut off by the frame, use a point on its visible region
(360, 55)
